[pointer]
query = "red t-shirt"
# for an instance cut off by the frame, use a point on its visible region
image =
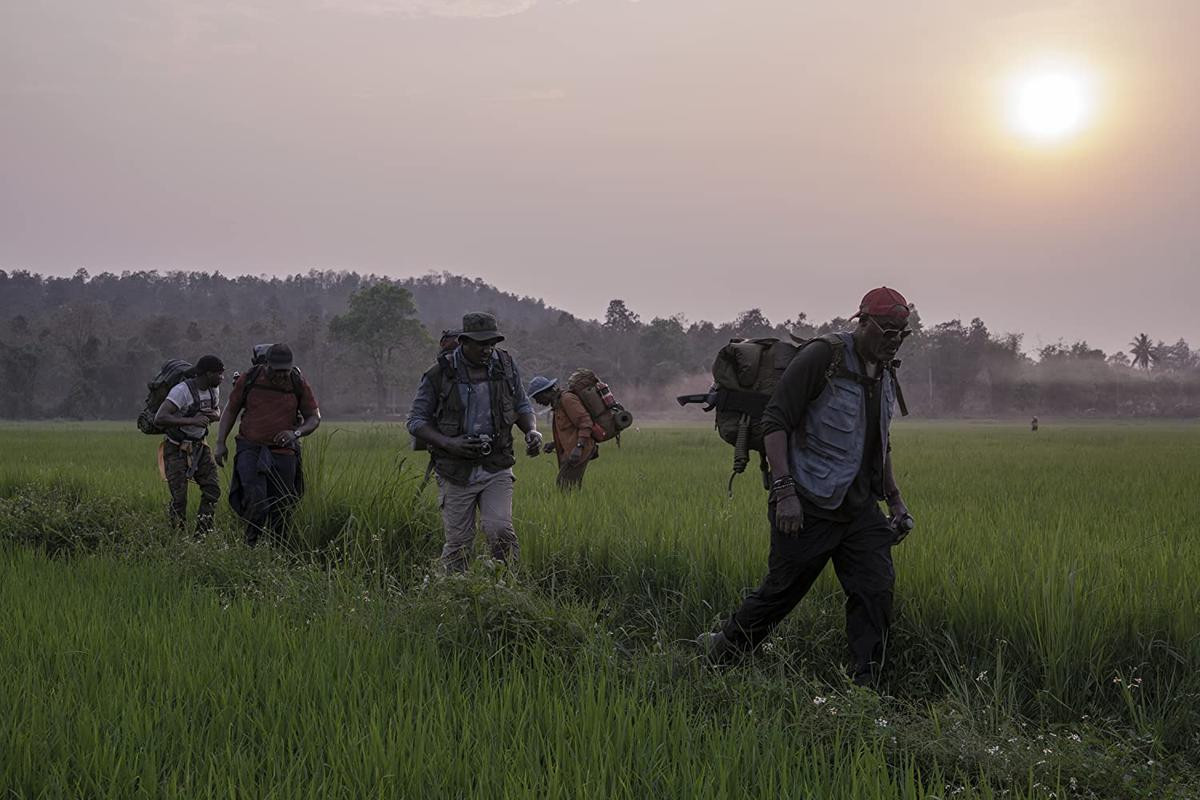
(270, 408)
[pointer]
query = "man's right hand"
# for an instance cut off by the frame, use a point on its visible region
(463, 447)
(220, 453)
(789, 516)
(211, 415)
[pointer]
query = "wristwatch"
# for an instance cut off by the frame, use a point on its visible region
(296, 433)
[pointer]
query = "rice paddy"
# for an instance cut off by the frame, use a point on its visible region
(1046, 642)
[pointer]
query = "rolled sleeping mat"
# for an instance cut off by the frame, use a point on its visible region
(622, 418)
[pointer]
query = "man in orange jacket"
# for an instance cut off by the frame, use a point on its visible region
(573, 442)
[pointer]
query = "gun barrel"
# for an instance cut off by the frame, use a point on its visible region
(686, 399)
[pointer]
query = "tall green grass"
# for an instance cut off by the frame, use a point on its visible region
(1049, 591)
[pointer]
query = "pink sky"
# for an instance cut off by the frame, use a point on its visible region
(689, 156)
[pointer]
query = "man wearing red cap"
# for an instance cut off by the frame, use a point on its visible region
(826, 433)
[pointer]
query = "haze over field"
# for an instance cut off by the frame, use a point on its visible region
(1030, 163)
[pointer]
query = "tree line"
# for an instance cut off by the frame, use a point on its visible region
(83, 347)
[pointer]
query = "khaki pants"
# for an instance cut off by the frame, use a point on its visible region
(492, 496)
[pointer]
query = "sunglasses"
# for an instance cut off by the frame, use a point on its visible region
(892, 333)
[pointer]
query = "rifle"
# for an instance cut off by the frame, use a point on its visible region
(709, 399)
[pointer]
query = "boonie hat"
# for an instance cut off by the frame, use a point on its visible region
(539, 384)
(480, 326)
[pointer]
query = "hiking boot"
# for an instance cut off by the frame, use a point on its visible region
(866, 676)
(717, 650)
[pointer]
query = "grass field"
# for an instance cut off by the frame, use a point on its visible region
(1047, 640)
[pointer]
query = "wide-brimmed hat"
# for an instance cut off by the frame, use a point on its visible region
(480, 326)
(539, 384)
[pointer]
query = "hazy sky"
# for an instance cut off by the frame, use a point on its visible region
(689, 156)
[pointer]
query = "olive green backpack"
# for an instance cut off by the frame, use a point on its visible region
(745, 374)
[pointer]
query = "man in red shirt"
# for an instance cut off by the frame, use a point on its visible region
(277, 408)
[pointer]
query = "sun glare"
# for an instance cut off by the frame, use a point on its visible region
(1050, 105)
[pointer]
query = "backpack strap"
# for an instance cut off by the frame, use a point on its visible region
(510, 371)
(252, 381)
(837, 364)
(891, 368)
(446, 378)
(195, 406)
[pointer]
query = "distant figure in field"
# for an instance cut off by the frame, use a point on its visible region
(464, 411)
(573, 442)
(1033, 426)
(277, 407)
(189, 408)
(827, 429)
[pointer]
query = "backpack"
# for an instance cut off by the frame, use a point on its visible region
(609, 417)
(171, 373)
(745, 373)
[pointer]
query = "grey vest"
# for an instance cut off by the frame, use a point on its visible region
(826, 462)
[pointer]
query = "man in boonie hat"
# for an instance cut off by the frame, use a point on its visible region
(572, 429)
(827, 437)
(464, 411)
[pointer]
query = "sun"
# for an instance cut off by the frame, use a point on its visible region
(1051, 104)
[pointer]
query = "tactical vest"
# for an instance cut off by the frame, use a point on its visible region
(446, 376)
(826, 462)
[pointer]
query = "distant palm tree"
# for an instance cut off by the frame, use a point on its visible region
(1143, 352)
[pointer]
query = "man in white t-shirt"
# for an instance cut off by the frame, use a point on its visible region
(191, 406)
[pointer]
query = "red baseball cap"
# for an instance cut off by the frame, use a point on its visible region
(883, 302)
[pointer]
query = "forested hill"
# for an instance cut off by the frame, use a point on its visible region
(84, 347)
(212, 296)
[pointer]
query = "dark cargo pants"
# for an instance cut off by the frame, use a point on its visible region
(862, 557)
(181, 465)
(267, 490)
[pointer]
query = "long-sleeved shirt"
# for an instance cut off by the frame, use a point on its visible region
(476, 399)
(802, 383)
(572, 424)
